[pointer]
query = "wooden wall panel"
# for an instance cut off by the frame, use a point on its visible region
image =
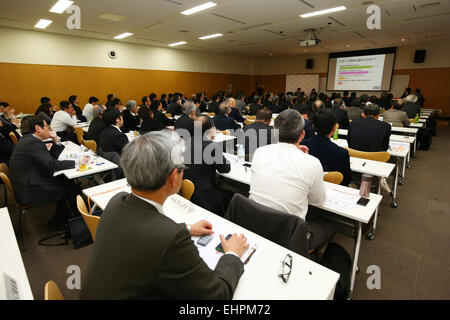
(22, 85)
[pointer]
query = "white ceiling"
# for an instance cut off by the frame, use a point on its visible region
(253, 28)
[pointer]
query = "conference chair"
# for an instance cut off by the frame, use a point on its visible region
(382, 156)
(79, 132)
(52, 292)
(90, 144)
(169, 115)
(4, 169)
(251, 118)
(247, 122)
(187, 189)
(333, 177)
(22, 209)
(13, 137)
(91, 220)
(211, 114)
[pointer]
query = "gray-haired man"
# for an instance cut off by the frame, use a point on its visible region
(139, 253)
(130, 118)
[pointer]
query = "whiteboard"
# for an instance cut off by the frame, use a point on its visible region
(305, 81)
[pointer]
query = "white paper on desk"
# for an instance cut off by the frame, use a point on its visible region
(399, 146)
(340, 199)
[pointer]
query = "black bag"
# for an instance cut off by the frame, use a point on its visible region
(424, 138)
(431, 124)
(337, 259)
(79, 232)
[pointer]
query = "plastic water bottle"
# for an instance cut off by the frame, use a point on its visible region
(416, 119)
(336, 134)
(241, 153)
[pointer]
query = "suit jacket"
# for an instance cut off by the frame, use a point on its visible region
(130, 122)
(275, 108)
(112, 140)
(369, 135)
(264, 136)
(224, 122)
(309, 130)
(354, 113)
(254, 107)
(31, 171)
(161, 117)
(284, 105)
(150, 124)
(157, 258)
(396, 116)
(236, 115)
(95, 129)
(185, 122)
(6, 148)
(174, 109)
(79, 113)
(411, 109)
(213, 107)
(341, 117)
(331, 156)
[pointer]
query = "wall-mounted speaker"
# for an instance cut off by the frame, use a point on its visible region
(419, 56)
(309, 63)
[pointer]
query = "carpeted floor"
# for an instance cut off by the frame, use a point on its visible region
(412, 245)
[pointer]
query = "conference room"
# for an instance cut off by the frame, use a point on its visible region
(225, 150)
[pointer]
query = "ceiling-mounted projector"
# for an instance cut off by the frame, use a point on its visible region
(312, 42)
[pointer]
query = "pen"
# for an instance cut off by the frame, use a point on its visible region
(248, 259)
(363, 164)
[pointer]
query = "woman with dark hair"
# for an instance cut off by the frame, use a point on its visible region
(45, 110)
(149, 123)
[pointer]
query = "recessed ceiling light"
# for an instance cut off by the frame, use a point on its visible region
(216, 35)
(43, 23)
(348, 46)
(123, 35)
(201, 7)
(306, 50)
(403, 39)
(318, 13)
(61, 6)
(177, 43)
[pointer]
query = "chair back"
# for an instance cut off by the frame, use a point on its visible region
(52, 292)
(251, 118)
(79, 132)
(187, 189)
(13, 137)
(382, 156)
(91, 145)
(333, 177)
(8, 185)
(91, 221)
(169, 115)
(4, 169)
(211, 114)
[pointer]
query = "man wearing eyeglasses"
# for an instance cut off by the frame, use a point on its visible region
(138, 252)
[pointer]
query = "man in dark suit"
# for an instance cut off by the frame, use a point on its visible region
(112, 139)
(369, 134)
(174, 107)
(202, 172)
(186, 121)
(235, 113)
(303, 109)
(259, 133)
(410, 107)
(340, 113)
(255, 106)
(214, 104)
(354, 110)
(32, 167)
(331, 156)
(223, 121)
(97, 125)
(6, 145)
(156, 107)
(286, 103)
(157, 257)
(130, 118)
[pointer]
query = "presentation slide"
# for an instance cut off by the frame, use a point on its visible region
(369, 70)
(359, 73)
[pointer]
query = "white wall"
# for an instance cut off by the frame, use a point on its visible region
(36, 47)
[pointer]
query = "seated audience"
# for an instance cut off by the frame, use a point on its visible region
(214, 104)
(186, 121)
(175, 108)
(45, 110)
(157, 109)
(115, 103)
(286, 178)
(259, 133)
(235, 113)
(410, 107)
(109, 99)
(157, 257)
(32, 167)
(406, 93)
(74, 101)
(223, 121)
(369, 134)
(240, 103)
(202, 172)
(304, 111)
(354, 111)
(88, 108)
(340, 113)
(384, 102)
(287, 103)
(97, 125)
(149, 123)
(6, 145)
(130, 118)
(331, 156)
(64, 122)
(396, 115)
(256, 105)
(112, 139)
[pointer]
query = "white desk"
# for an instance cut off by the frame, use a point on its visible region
(417, 125)
(11, 261)
(308, 279)
(356, 215)
(96, 165)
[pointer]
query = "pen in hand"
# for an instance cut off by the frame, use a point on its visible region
(248, 258)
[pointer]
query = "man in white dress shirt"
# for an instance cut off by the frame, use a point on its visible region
(88, 112)
(64, 122)
(285, 177)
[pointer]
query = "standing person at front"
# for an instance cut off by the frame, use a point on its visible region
(157, 258)
(369, 134)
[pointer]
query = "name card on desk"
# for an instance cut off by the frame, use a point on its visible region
(180, 203)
